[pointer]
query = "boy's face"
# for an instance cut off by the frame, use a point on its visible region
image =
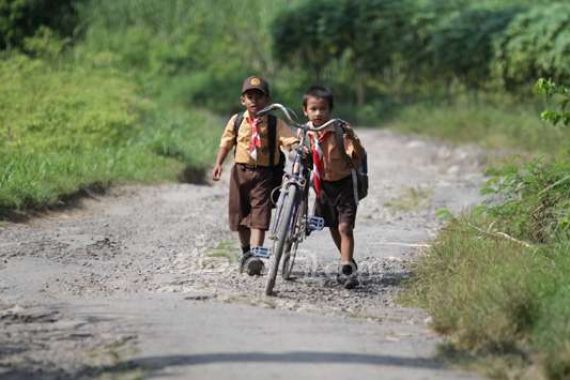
(254, 101)
(317, 110)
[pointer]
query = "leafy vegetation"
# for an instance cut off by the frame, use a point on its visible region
(67, 127)
(21, 19)
(536, 44)
(495, 279)
(560, 95)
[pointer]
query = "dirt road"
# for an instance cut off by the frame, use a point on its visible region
(142, 283)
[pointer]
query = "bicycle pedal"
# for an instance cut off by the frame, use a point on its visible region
(316, 223)
(261, 252)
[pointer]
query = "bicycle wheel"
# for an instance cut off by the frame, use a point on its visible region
(292, 245)
(283, 216)
(289, 260)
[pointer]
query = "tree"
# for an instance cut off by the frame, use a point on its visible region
(311, 35)
(23, 18)
(535, 44)
(462, 47)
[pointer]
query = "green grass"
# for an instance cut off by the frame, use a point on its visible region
(496, 281)
(412, 198)
(491, 124)
(66, 125)
(225, 249)
(497, 300)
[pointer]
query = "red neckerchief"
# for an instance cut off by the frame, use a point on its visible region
(255, 141)
(318, 164)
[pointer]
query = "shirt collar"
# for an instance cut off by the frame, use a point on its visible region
(249, 119)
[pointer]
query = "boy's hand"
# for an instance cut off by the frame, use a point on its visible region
(217, 172)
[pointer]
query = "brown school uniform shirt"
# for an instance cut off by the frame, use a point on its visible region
(284, 136)
(334, 162)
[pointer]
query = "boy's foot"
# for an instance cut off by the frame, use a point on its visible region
(351, 282)
(252, 265)
(348, 269)
(243, 260)
(348, 276)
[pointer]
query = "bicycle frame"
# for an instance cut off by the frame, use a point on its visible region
(289, 226)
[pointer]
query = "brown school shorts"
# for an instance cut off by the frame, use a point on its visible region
(336, 203)
(249, 200)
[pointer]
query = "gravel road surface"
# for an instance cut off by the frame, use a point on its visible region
(142, 282)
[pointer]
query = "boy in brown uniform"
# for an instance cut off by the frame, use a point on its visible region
(252, 176)
(332, 177)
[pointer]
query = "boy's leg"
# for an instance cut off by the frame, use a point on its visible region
(346, 214)
(346, 234)
(259, 216)
(238, 204)
(244, 234)
(348, 265)
(257, 237)
(336, 237)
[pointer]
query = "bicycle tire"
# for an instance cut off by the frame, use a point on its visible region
(284, 221)
(289, 261)
(292, 245)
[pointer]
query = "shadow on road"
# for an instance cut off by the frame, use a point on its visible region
(286, 357)
(149, 365)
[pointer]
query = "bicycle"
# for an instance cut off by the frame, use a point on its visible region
(291, 223)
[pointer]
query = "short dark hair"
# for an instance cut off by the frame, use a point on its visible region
(319, 92)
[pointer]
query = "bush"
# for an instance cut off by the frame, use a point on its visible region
(72, 125)
(20, 19)
(483, 299)
(208, 47)
(535, 200)
(462, 46)
(495, 297)
(536, 44)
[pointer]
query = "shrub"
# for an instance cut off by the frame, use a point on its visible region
(536, 44)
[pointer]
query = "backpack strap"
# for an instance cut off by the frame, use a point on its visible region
(237, 123)
(272, 134)
(339, 132)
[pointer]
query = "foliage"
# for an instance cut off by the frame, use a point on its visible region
(560, 95)
(535, 200)
(363, 35)
(208, 46)
(536, 44)
(312, 34)
(20, 19)
(494, 122)
(67, 126)
(495, 297)
(496, 280)
(462, 46)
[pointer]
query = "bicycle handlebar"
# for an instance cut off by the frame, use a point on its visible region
(281, 107)
(293, 121)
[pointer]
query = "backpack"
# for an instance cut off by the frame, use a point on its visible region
(360, 173)
(277, 170)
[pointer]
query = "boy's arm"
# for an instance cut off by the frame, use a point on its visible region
(218, 168)
(286, 137)
(352, 144)
(226, 144)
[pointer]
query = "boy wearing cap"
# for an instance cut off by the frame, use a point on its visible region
(251, 177)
